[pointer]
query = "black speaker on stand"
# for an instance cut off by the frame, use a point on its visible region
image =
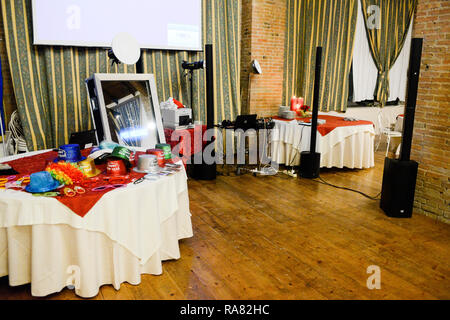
(204, 171)
(399, 176)
(310, 160)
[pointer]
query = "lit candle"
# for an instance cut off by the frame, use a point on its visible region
(293, 103)
(300, 102)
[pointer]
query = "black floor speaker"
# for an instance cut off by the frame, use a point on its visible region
(309, 164)
(399, 176)
(204, 171)
(399, 185)
(310, 160)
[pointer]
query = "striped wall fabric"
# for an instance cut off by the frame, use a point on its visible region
(221, 27)
(327, 23)
(49, 84)
(2, 113)
(49, 81)
(387, 23)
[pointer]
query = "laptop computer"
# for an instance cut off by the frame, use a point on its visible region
(245, 122)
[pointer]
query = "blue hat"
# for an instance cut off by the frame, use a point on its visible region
(41, 182)
(69, 153)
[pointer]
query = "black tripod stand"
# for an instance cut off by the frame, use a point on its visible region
(191, 66)
(191, 87)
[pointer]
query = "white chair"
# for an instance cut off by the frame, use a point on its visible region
(16, 138)
(386, 131)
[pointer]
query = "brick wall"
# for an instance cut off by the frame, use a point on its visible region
(9, 101)
(263, 34)
(431, 142)
(246, 54)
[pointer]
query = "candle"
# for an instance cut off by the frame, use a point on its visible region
(293, 103)
(300, 102)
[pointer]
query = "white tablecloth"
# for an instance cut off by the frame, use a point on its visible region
(350, 146)
(128, 232)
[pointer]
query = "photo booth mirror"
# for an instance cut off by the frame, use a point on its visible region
(125, 109)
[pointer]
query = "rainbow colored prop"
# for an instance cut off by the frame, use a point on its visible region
(66, 172)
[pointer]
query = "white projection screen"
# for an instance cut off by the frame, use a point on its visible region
(156, 24)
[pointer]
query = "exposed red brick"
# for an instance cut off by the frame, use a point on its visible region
(431, 142)
(263, 33)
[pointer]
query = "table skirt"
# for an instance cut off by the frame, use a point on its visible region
(51, 256)
(354, 151)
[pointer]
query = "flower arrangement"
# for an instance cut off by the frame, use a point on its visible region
(65, 172)
(303, 111)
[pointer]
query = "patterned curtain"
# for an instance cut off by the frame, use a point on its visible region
(2, 113)
(221, 27)
(49, 84)
(49, 81)
(327, 23)
(387, 23)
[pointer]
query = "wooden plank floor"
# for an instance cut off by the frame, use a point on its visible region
(286, 238)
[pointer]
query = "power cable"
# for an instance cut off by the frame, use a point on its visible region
(321, 180)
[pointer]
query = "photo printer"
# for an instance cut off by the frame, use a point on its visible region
(175, 115)
(176, 118)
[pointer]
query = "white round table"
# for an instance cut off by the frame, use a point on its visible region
(348, 146)
(128, 232)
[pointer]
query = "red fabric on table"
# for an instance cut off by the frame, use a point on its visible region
(332, 123)
(185, 150)
(79, 204)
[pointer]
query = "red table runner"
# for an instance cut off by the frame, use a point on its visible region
(79, 204)
(332, 123)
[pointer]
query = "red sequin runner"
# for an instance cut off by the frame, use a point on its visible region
(81, 203)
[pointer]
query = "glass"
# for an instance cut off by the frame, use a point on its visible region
(125, 109)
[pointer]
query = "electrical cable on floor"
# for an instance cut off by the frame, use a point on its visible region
(321, 180)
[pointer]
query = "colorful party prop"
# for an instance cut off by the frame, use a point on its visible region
(42, 182)
(159, 155)
(80, 204)
(109, 186)
(115, 167)
(69, 153)
(121, 179)
(133, 158)
(88, 168)
(73, 192)
(66, 172)
(122, 153)
(108, 145)
(166, 148)
(46, 194)
(147, 163)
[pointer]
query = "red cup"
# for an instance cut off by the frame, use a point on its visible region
(116, 168)
(159, 155)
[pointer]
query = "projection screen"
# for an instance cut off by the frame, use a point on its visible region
(156, 24)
